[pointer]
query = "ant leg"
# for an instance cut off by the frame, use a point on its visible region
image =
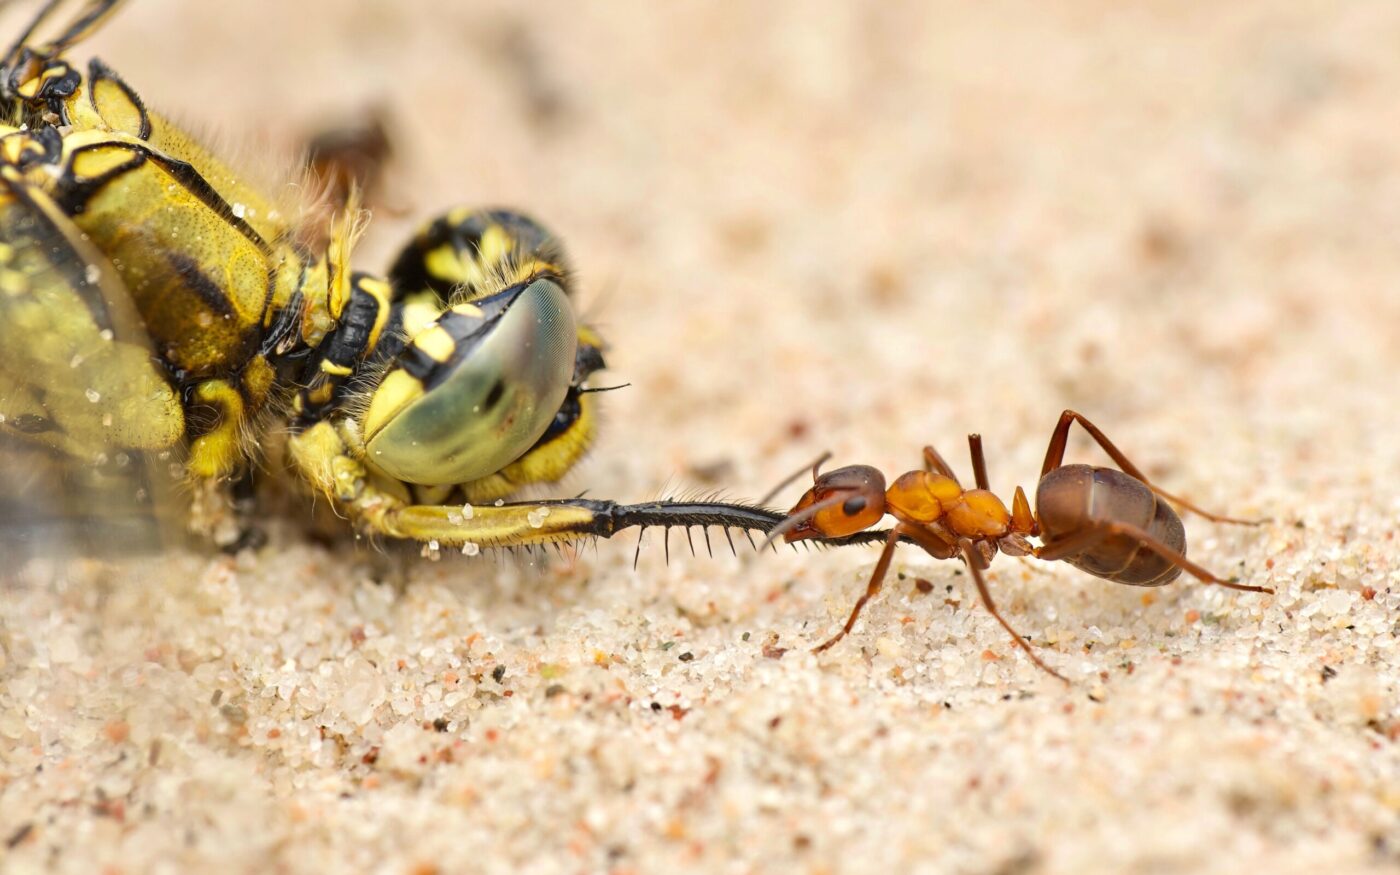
(933, 461)
(872, 589)
(1081, 540)
(979, 461)
(816, 468)
(974, 561)
(1055, 456)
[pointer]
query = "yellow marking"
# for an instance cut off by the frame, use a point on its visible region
(92, 163)
(338, 254)
(436, 342)
(335, 370)
(381, 292)
(419, 312)
(12, 150)
(217, 453)
(319, 454)
(380, 289)
(445, 263)
(12, 282)
(471, 311)
(496, 244)
(258, 378)
(588, 337)
(116, 108)
(489, 526)
(398, 390)
(316, 321)
(454, 218)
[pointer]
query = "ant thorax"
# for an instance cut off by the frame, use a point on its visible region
(922, 497)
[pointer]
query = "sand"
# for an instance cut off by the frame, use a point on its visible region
(802, 226)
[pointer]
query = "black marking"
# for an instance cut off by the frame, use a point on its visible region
(29, 423)
(419, 365)
(73, 194)
(42, 146)
(392, 339)
(284, 327)
(467, 333)
(569, 413)
(196, 280)
(853, 505)
(493, 397)
(591, 390)
(351, 338)
(588, 359)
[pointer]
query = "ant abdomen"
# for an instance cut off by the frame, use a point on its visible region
(1074, 498)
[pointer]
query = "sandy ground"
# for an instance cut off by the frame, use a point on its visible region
(803, 225)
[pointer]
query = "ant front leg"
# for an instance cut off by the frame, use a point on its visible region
(872, 589)
(1055, 456)
(1094, 533)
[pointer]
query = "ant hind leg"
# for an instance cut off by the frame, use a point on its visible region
(1082, 540)
(1055, 456)
(974, 562)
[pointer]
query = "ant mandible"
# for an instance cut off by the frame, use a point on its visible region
(1114, 524)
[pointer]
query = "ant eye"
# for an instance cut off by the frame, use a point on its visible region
(854, 505)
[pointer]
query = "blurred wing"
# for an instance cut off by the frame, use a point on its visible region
(89, 422)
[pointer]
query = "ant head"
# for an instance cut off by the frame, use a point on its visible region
(842, 502)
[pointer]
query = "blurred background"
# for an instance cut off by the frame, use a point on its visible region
(804, 226)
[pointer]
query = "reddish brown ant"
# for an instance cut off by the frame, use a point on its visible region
(1111, 523)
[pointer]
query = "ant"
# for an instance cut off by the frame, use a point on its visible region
(1112, 523)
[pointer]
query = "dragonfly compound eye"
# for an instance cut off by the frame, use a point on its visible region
(473, 391)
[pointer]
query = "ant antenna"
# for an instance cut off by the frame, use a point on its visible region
(815, 466)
